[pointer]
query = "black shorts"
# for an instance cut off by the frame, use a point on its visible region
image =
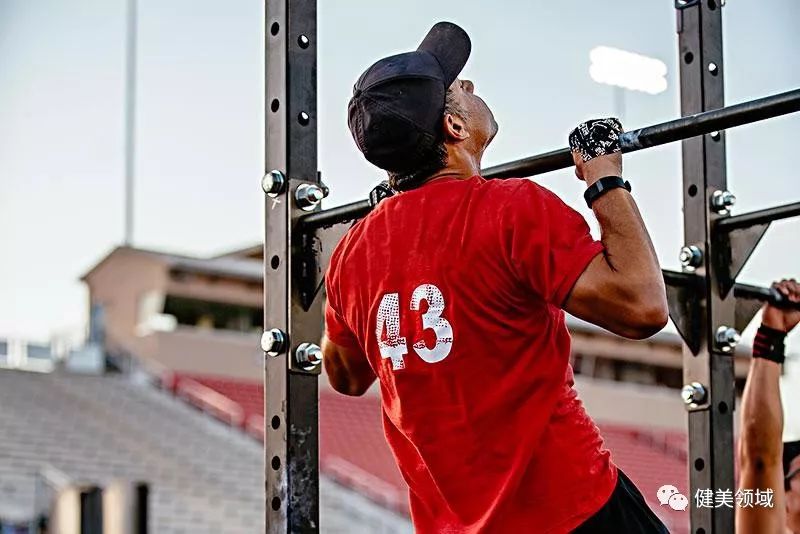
(626, 511)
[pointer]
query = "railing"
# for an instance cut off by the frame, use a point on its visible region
(210, 401)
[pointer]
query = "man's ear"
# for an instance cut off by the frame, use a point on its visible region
(455, 129)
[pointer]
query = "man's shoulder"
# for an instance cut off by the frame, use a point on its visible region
(522, 192)
(516, 187)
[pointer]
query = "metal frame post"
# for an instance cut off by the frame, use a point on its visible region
(708, 373)
(291, 395)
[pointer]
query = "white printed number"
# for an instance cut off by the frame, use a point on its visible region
(389, 316)
(388, 319)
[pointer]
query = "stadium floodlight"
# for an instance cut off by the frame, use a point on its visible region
(628, 70)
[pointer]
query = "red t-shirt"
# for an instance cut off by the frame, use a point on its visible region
(453, 291)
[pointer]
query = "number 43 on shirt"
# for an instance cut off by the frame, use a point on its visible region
(394, 345)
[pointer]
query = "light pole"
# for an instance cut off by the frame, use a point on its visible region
(130, 119)
(625, 70)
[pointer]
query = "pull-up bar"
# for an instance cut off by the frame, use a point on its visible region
(764, 294)
(746, 220)
(649, 136)
(661, 134)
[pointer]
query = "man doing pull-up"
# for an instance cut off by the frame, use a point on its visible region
(452, 294)
(765, 462)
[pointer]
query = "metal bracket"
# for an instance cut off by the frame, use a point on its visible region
(307, 271)
(304, 254)
(685, 300)
(733, 249)
(313, 257)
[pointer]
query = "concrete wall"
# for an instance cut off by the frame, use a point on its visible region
(211, 352)
(653, 407)
(599, 343)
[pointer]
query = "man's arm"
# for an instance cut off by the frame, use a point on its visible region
(760, 443)
(760, 448)
(621, 290)
(348, 370)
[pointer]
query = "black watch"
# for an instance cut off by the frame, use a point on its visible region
(603, 186)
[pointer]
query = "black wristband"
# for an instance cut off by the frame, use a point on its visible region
(603, 186)
(769, 344)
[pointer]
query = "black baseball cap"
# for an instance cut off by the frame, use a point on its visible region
(397, 105)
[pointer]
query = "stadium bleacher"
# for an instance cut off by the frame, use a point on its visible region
(206, 476)
(354, 452)
(99, 428)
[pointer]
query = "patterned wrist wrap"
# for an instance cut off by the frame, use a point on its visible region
(596, 137)
(768, 344)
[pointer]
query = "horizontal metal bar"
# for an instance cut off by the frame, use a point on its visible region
(650, 136)
(337, 215)
(530, 166)
(744, 291)
(765, 294)
(681, 279)
(660, 134)
(746, 220)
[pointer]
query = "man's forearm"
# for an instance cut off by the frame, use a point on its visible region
(760, 448)
(629, 250)
(622, 291)
(762, 416)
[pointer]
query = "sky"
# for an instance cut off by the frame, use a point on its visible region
(200, 116)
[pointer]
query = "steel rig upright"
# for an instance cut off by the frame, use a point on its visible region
(707, 360)
(292, 329)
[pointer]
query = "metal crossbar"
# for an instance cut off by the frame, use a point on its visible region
(635, 140)
(661, 134)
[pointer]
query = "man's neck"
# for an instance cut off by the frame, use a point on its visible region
(460, 165)
(461, 173)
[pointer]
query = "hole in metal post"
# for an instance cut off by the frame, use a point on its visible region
(276, 463)
(303, 42)
(275, 28)
(303, 118)
(713, 69)
(712, 5)
(688, 57)
(276, 503)
(692, 190)
(723, 407)
(274, 262)
(276, 422)
(274, 105)
(700, 530)
(699, 464)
